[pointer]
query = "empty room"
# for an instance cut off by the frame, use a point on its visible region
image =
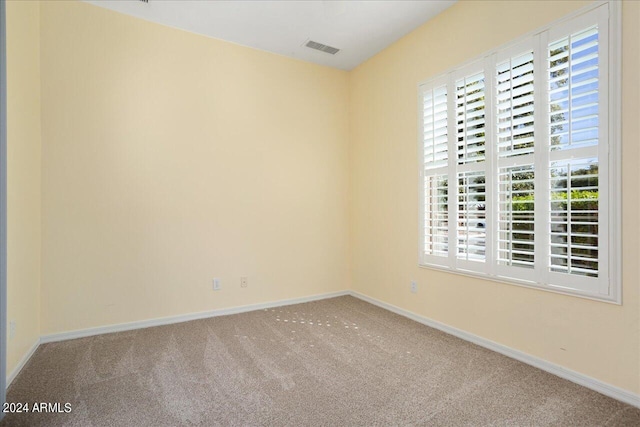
(319, 213)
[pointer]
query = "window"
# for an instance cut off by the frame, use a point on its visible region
(520, 161)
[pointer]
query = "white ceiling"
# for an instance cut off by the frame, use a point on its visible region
(359, 28)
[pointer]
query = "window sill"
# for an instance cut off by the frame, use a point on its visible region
(527, 284)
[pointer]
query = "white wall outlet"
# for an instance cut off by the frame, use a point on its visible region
(414, 287)
(216, 284)
(12, 329)
(244, 282)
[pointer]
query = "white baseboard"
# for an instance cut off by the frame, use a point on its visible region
(81, 333)
(12, 376)
(576, 377)
(63, 336)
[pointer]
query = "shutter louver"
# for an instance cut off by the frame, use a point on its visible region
(470, 119)
(516, 216)
(515, 106)
(472, 231)
(436, 240)
(574, 217)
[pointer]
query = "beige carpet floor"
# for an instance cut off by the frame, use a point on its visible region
(337, 362)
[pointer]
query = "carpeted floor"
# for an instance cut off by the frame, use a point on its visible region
(337, 362)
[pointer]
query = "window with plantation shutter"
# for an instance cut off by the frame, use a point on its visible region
(520, 161)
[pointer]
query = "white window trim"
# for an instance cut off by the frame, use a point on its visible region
(613, 245)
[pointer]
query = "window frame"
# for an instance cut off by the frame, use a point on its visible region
(609, 180)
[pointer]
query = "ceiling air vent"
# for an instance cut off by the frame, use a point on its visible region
(322, 47)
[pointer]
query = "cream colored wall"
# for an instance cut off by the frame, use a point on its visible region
(170, 158)
(594, 338)
(23, 178)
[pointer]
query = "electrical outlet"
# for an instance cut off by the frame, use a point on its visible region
(244, 282)
(12, 329)
(414, 287)
(216, 284)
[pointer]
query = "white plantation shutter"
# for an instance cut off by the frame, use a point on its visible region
(515, 96)
(574, 217)
(436, 226)
(435, 140)
(515, 148)
(517, 157)
(435, 128)
(516, 217)
(472, 232)
(469, 168)
(577, 122)
(470, 111)
(573, 90)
